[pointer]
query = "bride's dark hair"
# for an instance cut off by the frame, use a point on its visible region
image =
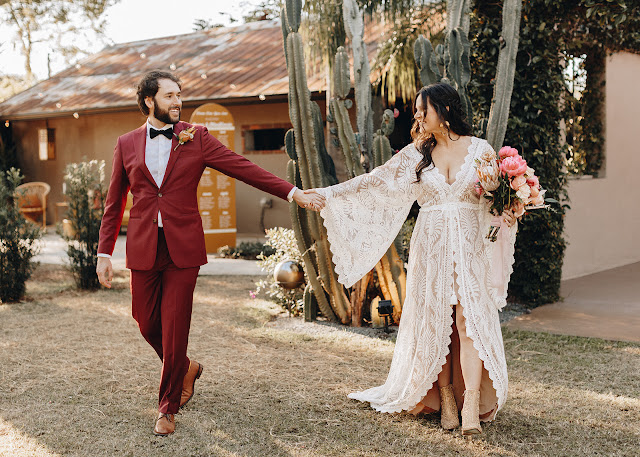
(441, 96)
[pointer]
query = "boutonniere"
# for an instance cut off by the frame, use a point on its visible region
(185, 135)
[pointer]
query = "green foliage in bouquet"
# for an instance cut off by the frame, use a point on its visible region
(283, 246)
(86, 194)
(18, 241)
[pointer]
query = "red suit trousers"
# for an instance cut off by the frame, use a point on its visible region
(162, 299)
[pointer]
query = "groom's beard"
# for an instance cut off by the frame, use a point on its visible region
(165, 116)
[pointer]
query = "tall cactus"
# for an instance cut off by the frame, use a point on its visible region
(353, 17)
(309, 167)
(339, 115)
(503, 88)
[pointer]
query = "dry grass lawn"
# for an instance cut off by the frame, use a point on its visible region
(77, 379)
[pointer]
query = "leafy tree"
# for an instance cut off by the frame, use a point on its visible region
(11, 85)
(59, 23)
(266, 10)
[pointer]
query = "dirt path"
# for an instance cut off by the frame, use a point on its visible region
(77, 379)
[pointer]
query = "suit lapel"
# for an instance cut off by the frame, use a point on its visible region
(175, 151)
(139, 144)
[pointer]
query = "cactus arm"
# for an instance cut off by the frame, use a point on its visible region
(329, 177)
(310, 304)
(303, 246)
(341, 77)
(499, 114)
(426, 61)
(285, 33)
(458, 14)
(353, 19)
(293, 10)
(305, 116)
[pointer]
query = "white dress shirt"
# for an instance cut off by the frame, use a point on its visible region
(156, 157)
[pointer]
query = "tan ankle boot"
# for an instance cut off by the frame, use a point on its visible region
(448, 408)
(471, 413)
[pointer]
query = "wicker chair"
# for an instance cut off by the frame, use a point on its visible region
(32, 200)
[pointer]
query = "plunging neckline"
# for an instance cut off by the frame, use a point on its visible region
(462, 167)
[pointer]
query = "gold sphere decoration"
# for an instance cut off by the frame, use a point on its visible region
(288, 274)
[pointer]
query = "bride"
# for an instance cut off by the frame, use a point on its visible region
(449, 353)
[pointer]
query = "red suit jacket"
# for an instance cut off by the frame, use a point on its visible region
(176, 198)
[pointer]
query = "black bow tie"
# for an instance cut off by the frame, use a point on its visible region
(166, 132)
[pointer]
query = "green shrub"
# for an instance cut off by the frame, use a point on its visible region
(18, 241)
(283, 243)
(86, 194)
(248, 250)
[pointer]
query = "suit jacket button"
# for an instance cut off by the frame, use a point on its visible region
(155, 220)
(159, 194)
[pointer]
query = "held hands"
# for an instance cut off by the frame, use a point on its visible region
(104, 271)
(309, 199)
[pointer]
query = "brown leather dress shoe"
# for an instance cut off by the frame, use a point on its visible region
(193, 373)
(165, 425)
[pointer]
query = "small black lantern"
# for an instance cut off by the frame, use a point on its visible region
(385, 309)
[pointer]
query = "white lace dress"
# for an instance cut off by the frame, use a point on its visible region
(449, 260)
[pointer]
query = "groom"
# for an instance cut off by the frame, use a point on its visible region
(161, 163)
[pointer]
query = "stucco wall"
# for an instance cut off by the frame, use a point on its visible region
(603, 224)
(94, 137)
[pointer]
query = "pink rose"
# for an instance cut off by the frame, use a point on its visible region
(533, 182)
(507, 151)
(524, 192)
(538, 200)
(513, 166)
(535, 192)
(518, 208)
(518, 182)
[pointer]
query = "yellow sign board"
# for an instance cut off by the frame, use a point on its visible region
(217, 191)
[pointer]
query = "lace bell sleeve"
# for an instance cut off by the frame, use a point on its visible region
(363, 215)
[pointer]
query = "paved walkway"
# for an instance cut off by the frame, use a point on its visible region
(603, 305)
(54, 252)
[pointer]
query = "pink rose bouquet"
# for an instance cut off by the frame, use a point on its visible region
(506, 181)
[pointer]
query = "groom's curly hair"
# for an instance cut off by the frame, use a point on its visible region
(148, 86)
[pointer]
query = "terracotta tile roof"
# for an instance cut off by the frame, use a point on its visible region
(224, 63)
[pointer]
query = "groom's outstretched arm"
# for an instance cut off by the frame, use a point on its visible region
(221, 158)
